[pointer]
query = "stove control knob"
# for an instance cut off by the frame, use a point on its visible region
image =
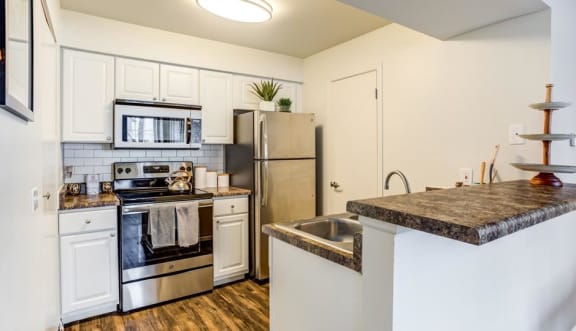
(120, 170)
(128, 170)
(182, 168)
(188, 168)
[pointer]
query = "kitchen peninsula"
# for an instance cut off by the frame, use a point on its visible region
(467, 267)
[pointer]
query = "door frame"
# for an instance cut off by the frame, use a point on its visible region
(359, 70)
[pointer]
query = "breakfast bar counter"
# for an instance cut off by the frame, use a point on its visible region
(475, 215)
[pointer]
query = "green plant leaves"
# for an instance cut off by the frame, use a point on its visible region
(266, 90)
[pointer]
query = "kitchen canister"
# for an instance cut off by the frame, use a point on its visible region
(199, 177)
(211, 179)
(92, 184)
(223, 180)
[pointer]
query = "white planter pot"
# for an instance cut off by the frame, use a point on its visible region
(267, 105)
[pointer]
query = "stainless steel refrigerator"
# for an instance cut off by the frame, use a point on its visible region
(274, 155)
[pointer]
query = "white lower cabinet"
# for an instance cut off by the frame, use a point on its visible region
(230, 239)
(88, 263)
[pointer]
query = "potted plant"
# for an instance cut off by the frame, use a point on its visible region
(266, 91)
(284, 104)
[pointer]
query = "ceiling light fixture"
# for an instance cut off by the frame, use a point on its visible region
(251, 11)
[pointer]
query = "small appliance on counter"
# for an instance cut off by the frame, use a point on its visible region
(274, 155)
(158, 268)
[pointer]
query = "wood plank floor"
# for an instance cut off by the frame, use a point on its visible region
(239, 306)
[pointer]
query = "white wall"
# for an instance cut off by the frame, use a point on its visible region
(563, 72)
(29, 288)
(446, 103)
(114, 37)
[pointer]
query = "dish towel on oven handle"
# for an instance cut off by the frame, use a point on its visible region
(188, 223)
(162, 226)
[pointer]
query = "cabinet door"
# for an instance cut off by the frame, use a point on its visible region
(217, 112)
(230, 245)
(137, 80)
(87, 97)
(291, 91)
(178, 84)
(89, 270)
(243, 96)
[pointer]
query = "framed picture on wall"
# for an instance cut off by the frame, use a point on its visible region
(16, 58)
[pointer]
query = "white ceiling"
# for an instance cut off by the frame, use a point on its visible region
(298, 27)
(447, 18)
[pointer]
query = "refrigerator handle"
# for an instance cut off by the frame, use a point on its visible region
(263, 137)
(264, 181)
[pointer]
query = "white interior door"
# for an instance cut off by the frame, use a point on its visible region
(352, 147)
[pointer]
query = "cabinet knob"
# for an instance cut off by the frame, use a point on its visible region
(217, 222)
(112, 235)
(87, 221)
(163, 99)
(108, 138)
(232, 206)
(154, 98)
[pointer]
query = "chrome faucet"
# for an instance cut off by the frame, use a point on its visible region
(402, 177)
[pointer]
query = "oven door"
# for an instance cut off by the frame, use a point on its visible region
(139, 260)
(151, 127)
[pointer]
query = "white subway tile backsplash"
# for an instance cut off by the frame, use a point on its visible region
(153, 153)
(137, 153)
(169, 153)
(98, 159)
(83, 153)
(103, 153)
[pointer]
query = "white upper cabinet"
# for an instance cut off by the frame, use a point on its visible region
(243, 96)
(245, 99)
(87, 97)
(217, 111)
(137, 80)
(178, 84)
(151, 81)
(291, 91)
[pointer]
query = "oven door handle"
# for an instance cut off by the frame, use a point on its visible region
(145, 208)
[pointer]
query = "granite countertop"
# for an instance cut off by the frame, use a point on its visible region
(68, 202)
(351, 260)
(475, 215)
(226, 191)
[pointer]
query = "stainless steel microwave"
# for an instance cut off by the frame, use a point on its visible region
(139, 124)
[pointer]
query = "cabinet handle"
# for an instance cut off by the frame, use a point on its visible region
(112, 235)
(87, 221)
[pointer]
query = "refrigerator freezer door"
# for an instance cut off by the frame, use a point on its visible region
(285, 192)
(284, 135)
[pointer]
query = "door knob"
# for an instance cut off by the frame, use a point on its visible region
(335, 186)
(46, 196)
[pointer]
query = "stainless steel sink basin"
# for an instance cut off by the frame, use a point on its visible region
(332, 230)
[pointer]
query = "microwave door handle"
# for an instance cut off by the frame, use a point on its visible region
(188, 131)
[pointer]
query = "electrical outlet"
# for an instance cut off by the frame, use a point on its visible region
(513, 134)
(466, 176)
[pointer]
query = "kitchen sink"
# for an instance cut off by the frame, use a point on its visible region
(332, 230)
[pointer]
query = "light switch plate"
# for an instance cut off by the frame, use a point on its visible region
(513, 134)
(35, 199)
